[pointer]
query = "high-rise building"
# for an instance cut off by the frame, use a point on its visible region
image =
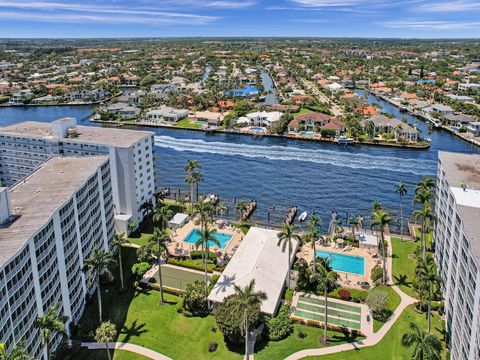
(457, 249)
(50, 221)
(24, 146)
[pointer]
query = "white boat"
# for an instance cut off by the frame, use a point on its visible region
(303, 216)
(344, 140)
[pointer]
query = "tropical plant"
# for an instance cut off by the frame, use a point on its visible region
(425, 215)
(426, 346)
(401, 190)
(120, 240)
(285, 238)
(106, 333)
(326, 280)
(161, 217)
(204, 210)
(376, 206)
(247, 298)
(426, 272)
(18, 352)
(147, 208)
(380, 220)
(313, 235)
(139, 269)
(240, 208)
(354, 223)
(160, 238)
(49, 324)
(427, 183)
(280, 326)
(194, 299)
(207, 236)
(97, 265)
(193, 178)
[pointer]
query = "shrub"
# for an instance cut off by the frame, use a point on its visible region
(288, 296)
(344, 294)
(139, 269)
(359, 297)
(377, 302)
(187, 265)
(301, 334)
(328, 133)
(281, 326)
(194, 299)
(213, 280)
(212, 346)
(197, 254)
(179, 306)
(377, 273)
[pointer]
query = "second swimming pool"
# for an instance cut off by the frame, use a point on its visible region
(345, 263)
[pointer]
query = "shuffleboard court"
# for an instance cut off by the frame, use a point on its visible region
(178, 278)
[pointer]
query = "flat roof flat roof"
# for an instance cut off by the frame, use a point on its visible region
(34, 199)
(91, 134)
(258, 258)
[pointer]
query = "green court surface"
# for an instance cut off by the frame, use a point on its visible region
(178, 278)
(331, 304)
(338, 314)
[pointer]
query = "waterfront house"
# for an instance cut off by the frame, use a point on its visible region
(398, 128)
(262, 118)
(460, 98)
(166, 113)
(315, 122)
(439, 108)
(468, 86)
(132, 80)
(135, 97)
(210, 117)
(125, 112)
(46, 99)
(21, 97)
(458, 120)
(474, 128)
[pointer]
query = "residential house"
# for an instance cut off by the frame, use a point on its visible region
(315, 122)
(132, 80)
(124, 111)
(210, 117)
(474, 128)
(458, 120)
(20, 97)
(166, 113)
(468, 86)
(461, 98)
(398, 128)
(440, 108)
(262, 118)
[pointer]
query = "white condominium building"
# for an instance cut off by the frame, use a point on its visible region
(50, 221)
(25, 145)
(457, 249)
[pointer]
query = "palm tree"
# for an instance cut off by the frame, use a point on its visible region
(326, 280)
(204, 209)
(106, 333)
(427, 183)
(240, 208)
(376, 206)
(147, 208)
(426, 272)
(160, 238)
(313, 236)
(425, 215)
(18, 352)
(50, 323)
(207, 236)
(246, 299)
(401, 190)
(354, 223)
(161, 216)
(380, 220)
(426, 345)
(285, 238)
(422, 197)
(219, 208)
(120, 240)
(194, 177)
(97, 265)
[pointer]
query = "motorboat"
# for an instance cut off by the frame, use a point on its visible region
(303, 216)
(343, 140)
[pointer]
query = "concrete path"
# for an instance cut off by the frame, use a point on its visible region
(127, 347)
(373, 339)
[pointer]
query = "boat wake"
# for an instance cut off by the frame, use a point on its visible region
(318, 156)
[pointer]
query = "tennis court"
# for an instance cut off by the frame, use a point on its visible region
(340, 314)
(177, 278)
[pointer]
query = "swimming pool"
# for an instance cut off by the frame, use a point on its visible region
(257, 129)
(200, 122)
(345, 263)
(194, 235)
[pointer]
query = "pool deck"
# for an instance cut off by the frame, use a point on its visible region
(346, 279)
(180, 248)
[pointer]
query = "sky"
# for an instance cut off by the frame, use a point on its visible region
(233, 18)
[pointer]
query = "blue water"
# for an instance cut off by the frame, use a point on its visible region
(194, 235)
(200, 122)
(257, 129)
(271, 97)
(345, 263)
(282, 172)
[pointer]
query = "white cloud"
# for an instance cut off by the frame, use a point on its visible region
(450, 6)
(430, 25)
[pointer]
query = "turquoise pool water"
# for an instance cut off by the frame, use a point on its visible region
(194, 235)
(200, 122)
(257, 129)
(345, 263)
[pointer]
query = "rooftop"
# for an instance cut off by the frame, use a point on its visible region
(461, 169)
(258, 257)
(91, 134)
(38, 196)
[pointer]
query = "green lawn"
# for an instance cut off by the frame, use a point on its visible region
(281, 349)
(392, 303)
(389, 347)
(302, 111)
(403, 263)
(187, 124)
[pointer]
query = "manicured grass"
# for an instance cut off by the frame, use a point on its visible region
(403, 263)
(354, 293)
(390, 347)
(393, 300)
(281, 349)
(186, 123)
(302, 111)
(196, 264)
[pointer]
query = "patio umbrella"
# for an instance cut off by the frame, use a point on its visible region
(340, 241)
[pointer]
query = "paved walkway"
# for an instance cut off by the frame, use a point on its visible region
(373, 339)
(127, 347)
